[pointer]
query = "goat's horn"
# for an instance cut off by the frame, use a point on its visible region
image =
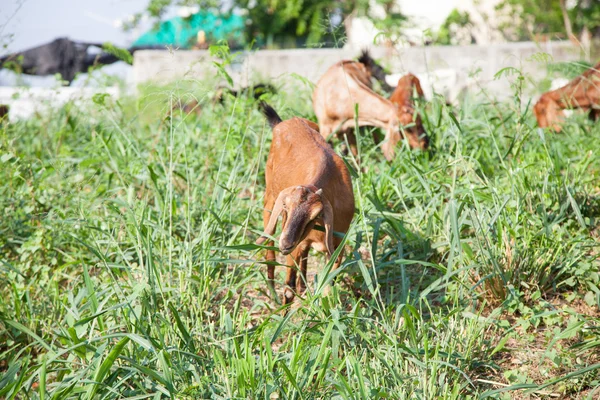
(319, 192)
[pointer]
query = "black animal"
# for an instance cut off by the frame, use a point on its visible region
(61, 56)
(194, 107)
(257, 91)
(376, 70)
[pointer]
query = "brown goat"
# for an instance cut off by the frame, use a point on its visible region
(582, 92)
(348, 83)
(308, 184)
(409, 86)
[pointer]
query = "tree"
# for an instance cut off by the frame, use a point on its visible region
(566, 19)
(295, 23)
(528, 19)
(586, 14)
(455, 23)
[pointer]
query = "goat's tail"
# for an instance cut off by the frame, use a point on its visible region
(376, 70)
(269, 112)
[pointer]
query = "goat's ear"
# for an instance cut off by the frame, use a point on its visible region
(328, 222)
(277, 209)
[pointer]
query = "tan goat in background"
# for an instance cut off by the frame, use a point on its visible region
(582, 92)
(348, 83)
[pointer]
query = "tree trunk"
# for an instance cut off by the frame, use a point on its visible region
(567, 21)
(348, 25)
(586, 42)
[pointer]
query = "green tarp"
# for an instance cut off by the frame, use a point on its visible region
(182, 32)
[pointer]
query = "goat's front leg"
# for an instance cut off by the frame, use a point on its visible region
(326, 129)
(290, 279)
(301, 284)
(271, 270)
(337, 263)
(297, 259)
(392, 137)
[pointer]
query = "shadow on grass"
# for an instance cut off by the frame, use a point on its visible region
(403, 263)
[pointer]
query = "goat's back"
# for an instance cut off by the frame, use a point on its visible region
(586, 84)
(299, 156)
(334, 91)
(299, 153)
(581, 92)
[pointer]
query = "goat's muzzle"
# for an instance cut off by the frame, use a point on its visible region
(285, 245)
(286, 251)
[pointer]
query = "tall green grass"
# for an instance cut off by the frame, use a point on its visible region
(127, 267)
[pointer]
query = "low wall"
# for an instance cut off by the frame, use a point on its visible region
(464, 61)
(23, 102)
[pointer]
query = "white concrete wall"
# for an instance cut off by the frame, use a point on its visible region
(25, 101)
(275, 65)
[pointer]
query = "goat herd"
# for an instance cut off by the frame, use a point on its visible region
(308, 184)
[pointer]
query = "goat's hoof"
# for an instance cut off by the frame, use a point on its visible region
(300, 291)
(288, 296)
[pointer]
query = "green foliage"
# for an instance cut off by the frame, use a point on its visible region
(128, 269)
(156, 8)
(313, 22)
(586, 13)
(527, 18)
(393, 21)
(294, 23)
(569, 70)
(15, 64)
(221, 51)
(455, 19)
(121, 54)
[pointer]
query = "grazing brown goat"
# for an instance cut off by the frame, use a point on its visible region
(582, 92)
(308, 184)
(409, 86)
(348, 83)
